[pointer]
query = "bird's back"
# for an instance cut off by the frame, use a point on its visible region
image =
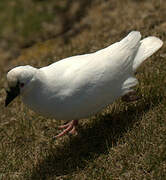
(113, 59)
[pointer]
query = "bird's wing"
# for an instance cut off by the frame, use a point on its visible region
(120, 55)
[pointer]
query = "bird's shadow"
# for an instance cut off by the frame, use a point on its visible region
(92, 141)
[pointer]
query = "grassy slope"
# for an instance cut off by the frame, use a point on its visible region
(124, 141)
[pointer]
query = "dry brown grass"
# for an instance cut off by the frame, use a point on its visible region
(124, 141)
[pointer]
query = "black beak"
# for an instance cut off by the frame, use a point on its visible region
(12, 93)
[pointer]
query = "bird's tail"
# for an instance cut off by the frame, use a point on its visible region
(147, 47)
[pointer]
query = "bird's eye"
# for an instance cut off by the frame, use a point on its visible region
(21, 85)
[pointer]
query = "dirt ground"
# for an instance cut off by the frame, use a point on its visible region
(127, 140)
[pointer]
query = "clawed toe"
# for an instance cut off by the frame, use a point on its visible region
(73, 131)
(68, 128)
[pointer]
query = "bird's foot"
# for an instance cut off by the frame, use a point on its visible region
(68, 128)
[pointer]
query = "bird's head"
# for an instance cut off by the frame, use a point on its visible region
(18, 80)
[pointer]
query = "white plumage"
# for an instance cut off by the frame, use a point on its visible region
(80, 86)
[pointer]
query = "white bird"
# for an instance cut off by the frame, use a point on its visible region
(79, 86)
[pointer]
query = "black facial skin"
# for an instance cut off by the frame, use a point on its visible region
(12, 93)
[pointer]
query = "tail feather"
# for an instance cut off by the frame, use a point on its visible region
(148, 46)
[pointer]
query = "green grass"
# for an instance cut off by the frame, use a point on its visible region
(22, 21)
(127, 140)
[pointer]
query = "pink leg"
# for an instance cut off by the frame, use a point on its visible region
(69, 128)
